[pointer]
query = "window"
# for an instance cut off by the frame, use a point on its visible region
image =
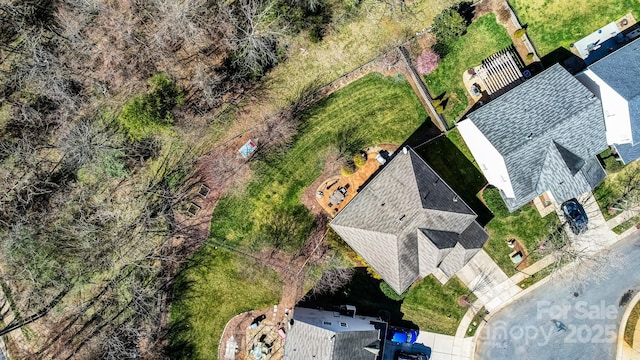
(326, 322)
(343, 324)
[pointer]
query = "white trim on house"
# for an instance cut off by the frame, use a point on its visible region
(615, 108)
(488, 158)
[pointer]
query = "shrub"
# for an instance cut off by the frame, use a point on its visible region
(148, 113)
(359, 159)
(427, 62)
(447, 27)
(439, 109)
(347, 168)
(519, 33)
(494, 201)
(529, 56)
(361, 262)
(436, 102)
(390, 293)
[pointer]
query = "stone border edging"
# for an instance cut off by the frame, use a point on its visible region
(623, 325)
(224, 331)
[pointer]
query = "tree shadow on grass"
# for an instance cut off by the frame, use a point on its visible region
(364, 293)
(427, 131)
(457, 171)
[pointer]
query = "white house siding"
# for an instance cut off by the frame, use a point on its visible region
(614, 107)
(488, 158)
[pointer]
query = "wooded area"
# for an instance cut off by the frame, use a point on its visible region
(106, 107)
(103, 104)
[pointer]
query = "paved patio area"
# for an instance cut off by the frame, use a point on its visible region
(336, 192)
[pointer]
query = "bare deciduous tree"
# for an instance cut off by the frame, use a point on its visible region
(256, 34)
(332, 280)
(575, 261)
(180, 22)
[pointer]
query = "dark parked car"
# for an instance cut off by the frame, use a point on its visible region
(575, 215)
(401, 355)
(404, 336)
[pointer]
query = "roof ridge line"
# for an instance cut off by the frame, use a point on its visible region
(444, 182)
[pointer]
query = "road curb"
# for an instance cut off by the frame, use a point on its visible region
(623, 325)
(499, 308)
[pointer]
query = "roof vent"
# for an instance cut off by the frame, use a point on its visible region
(401, 218)
(404, 150)
(382, 204)
(455, 198)
(530, 136)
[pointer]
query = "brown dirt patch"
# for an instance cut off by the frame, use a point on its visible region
(291, 268)
(464, 301)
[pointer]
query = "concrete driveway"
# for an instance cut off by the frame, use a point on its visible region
(532, 326)
(598, 234)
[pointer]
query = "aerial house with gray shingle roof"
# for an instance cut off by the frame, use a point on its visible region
(327, 335)
(542, 137)
(615, 79)
(407, 223)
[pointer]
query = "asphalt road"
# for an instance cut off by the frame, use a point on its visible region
(551, 323)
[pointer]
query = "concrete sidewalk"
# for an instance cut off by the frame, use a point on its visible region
(446, 347)
(622, 217)
(495, 290)
(487, 281)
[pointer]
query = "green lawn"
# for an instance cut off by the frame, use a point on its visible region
(434, 307)
(375, 109)
(483, 38)
(454, 166)
(626, 225)
(372, 110)
(478, 318)
(451, 159)
(630, 327)
(617, 186)
(222, 286)
(529, 281)
(457, 140)
(558, 23)
(427, 305)
(525, 225)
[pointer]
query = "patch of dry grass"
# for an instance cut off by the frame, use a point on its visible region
(345, 48)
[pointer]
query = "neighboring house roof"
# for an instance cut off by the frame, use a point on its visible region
(548, 130)
(308, 339)
(404, 204)
(621, 71)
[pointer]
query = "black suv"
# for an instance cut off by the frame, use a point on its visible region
(575, 215)
(401, 355)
